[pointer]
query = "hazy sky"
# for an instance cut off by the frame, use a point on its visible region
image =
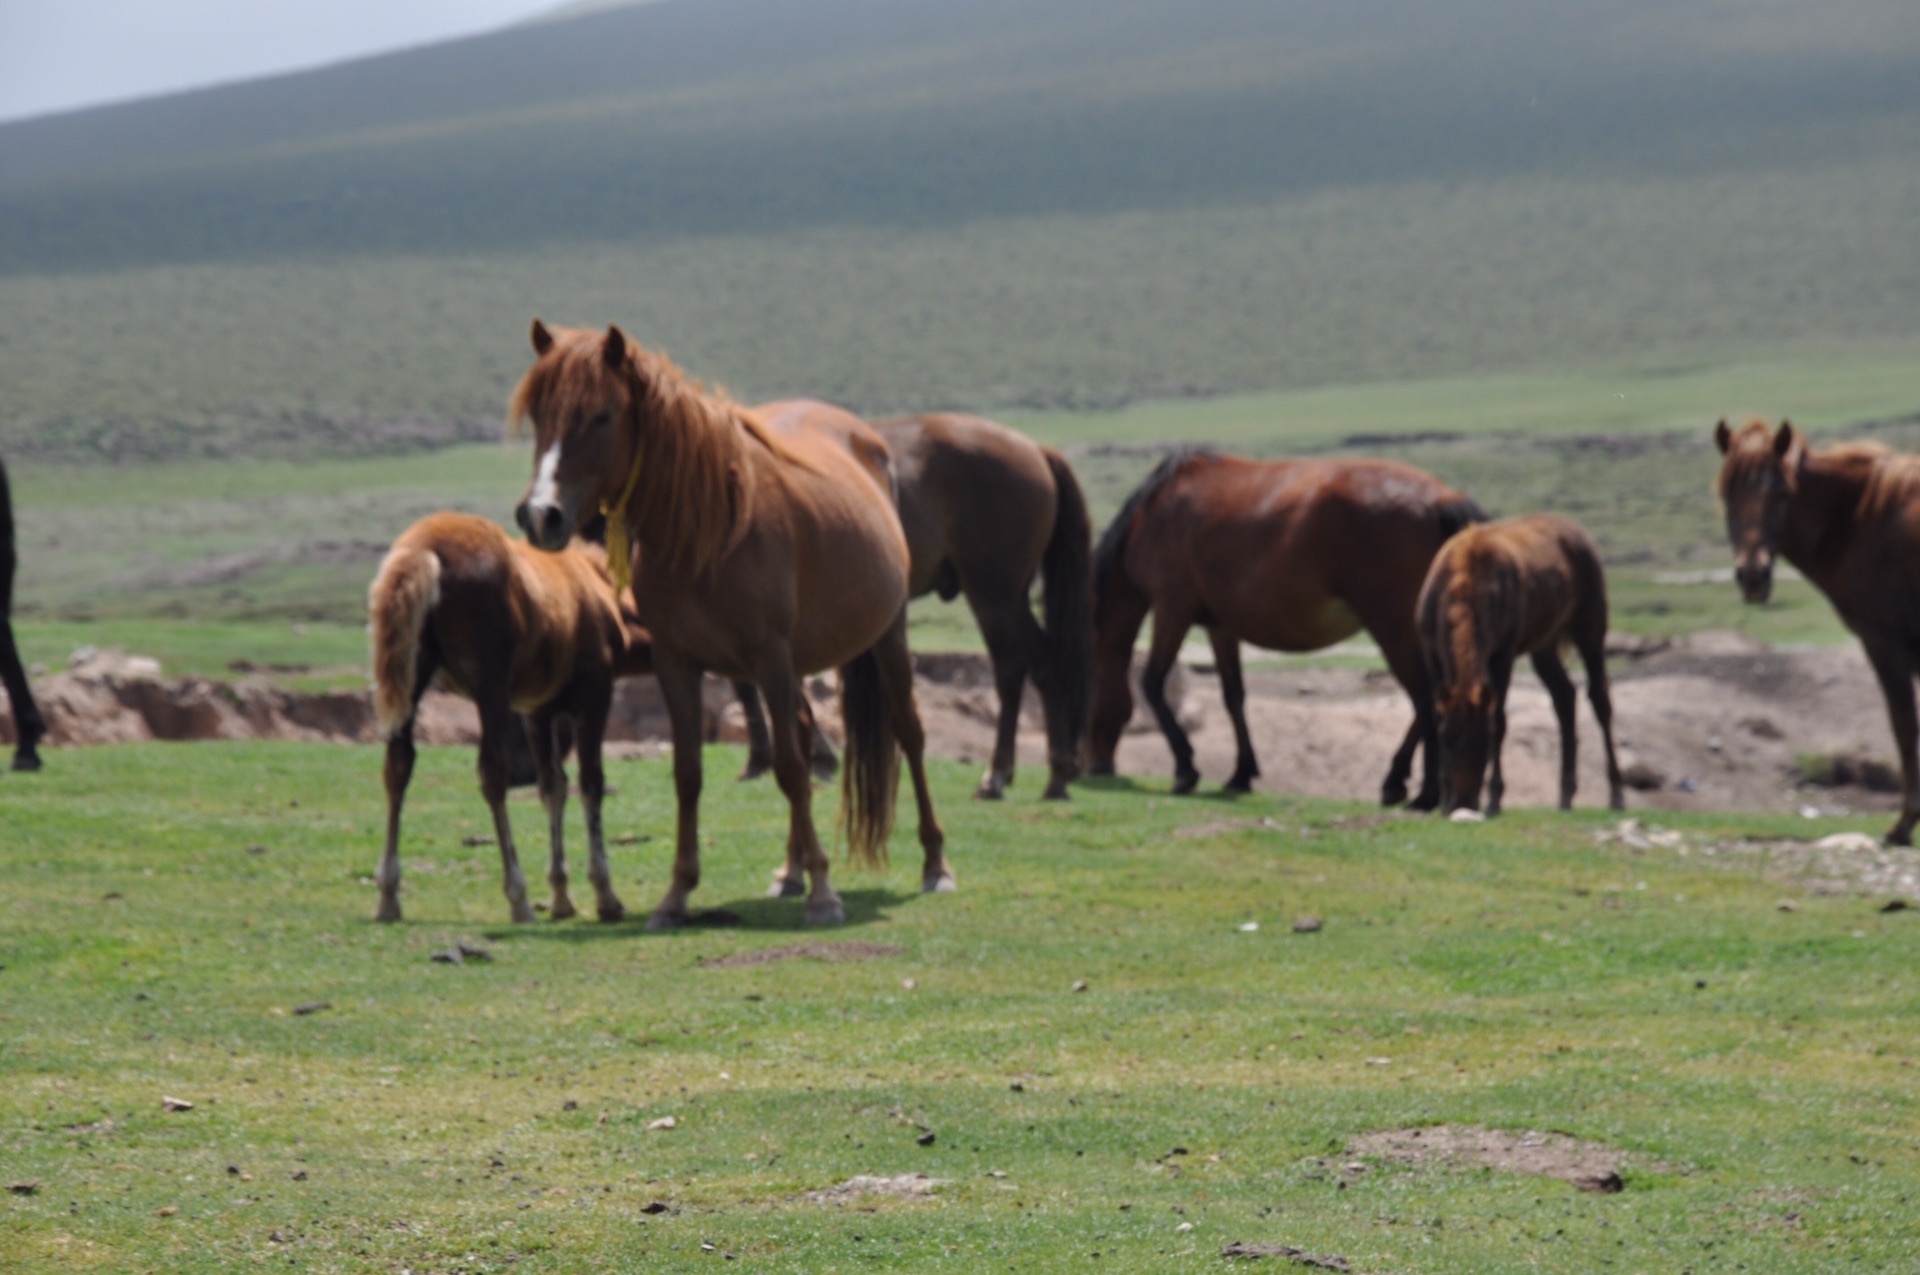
(59, 54)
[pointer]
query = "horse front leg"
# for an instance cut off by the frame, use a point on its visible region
(1167, 636)
(1010, 648)
(1502, 676)
(680, 687)
(759, 741)
(496, 719)
(1894, 668)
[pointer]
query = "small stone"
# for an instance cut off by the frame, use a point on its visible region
(1307, 925)
(256, 849)
(175, 1104)
(1184, 1226)
(1249, 927)
(449, 957)
(168, 1211)
(1464, 815)
(24, 1188)
(298, 1175)
(926, 1139)
(1785, 905)
(1079, 984)
(655, 1207)
(312, 1007)
(663, 1123)
(1895, 905)
(908, 984)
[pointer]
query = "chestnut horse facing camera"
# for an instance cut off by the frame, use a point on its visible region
(516, 630)
(1291, 555)
(1848, 517)
(772, 549)
(987, 511)
(1518, 586)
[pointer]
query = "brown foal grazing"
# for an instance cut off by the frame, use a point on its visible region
(1495, 592)
(1291, 555)
(514, 629)
(772, 549)
(1848, 517)
(987, 511)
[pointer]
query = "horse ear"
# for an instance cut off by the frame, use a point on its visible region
(1723, 436)
(1783, 439)
(542, 339)
(614, 348)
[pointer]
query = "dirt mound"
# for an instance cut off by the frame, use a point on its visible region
(904, 1186)
(853, 951)
(1591, 1166)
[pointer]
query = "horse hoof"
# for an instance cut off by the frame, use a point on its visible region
(1056, 792)
(941, 884)
(388, 913)
(26, 761)
(826, 912)
(786, 888)
(1186, 782)
(1393, 794)
(562, 909)
(523, 914)
(612, 910)
(1239, 784)
(989, 792)
(1424, 802)
(751, 771)
(666, 919)
(1899, 835)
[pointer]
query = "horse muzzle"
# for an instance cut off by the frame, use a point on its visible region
(545, 525)
(1755, 580)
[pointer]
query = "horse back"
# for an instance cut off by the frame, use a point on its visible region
(1529, 582)
(975, 498)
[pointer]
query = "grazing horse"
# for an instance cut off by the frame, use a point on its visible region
(771, 549)
(1848, 517)
(516, 630)
(986, 510)
(1291, 555)
(1518, 586)
(28, 726)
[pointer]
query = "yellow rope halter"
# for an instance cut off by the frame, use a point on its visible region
(619, 553)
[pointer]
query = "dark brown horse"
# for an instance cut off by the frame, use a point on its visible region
(28, 726)
(1848, 517)
(1291, 555)
(516, 630)
(1495, 592)
(986, 511)
(771, 549)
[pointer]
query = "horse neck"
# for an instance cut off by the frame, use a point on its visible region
(1820, 517)
(692, 498)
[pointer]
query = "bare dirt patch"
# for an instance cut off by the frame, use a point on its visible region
(1298, 1256)
(1591, 1166)
(905, 1186)
(855, 950)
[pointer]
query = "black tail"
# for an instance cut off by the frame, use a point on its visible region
(871, 771)
(1068, 567)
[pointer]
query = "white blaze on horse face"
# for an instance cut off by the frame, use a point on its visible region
(546, 490)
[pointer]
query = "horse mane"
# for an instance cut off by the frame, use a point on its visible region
(1892, 479)
(692, 501)
(1113, 541)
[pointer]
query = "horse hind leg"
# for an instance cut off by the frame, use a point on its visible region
(496, 719)
(543, 738)
(1502, 676)
(1167, 637)
(1012, 636)
(759, 741)
(397, 773)
(806, 863)
(1553, 675)
(593, 791)
(1894, 668)
(896, 679)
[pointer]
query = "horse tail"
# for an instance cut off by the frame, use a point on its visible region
(869, 776)
(1459, 513)
(403, 595)
(1067, 565)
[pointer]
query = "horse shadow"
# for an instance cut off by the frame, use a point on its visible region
(1127, 783)
(758, 915)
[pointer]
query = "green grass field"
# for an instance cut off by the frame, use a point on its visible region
(1755, 1064)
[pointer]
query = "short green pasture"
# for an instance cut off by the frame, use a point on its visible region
(1115, 1072)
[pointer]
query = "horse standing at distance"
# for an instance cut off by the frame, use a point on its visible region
(28, 726)
(514, 629)
(1495, 592)
(771, 549)
(987, 511)
(1291, 555)
(1848, 517)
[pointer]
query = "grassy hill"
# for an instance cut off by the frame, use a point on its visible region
(901, 203)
